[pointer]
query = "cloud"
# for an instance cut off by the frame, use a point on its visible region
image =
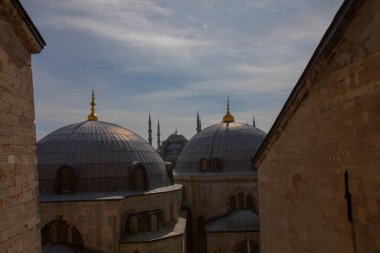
(172, 58)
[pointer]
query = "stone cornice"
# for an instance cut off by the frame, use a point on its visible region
(13, 12)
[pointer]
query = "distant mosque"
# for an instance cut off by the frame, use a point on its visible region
(171, 148)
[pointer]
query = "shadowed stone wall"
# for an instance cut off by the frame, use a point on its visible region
(334, 129)
(19, 213)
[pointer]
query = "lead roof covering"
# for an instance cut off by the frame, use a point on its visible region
(235, 143)
(101, 154)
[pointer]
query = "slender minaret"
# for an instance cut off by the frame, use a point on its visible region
(253, 121)
(158, 134)
(199, 128)
(150, 131)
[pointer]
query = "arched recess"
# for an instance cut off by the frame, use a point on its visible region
(154, 225)
(60, 231)
(132, 224)
(65, 179)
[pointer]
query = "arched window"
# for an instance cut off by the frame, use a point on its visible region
(249, 201)
(66, 179)
(59, 231)
(153, 223)
(233, 205)
(133, 224)
(241, 200)
(254, 247)
(75, 235)
(204, 165)
(217, 164)
(62, 232)
(247, 246)
(242, 247)
(139, 178)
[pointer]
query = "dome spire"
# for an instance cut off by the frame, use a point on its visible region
(92, 116)
(228, 118)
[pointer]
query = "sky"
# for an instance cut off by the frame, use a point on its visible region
(171, 58)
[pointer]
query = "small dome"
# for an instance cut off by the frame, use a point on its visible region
(232, 144)
(176, 137)
(102, 156)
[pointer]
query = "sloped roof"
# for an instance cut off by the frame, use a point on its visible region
(299, 92)
(238, 221)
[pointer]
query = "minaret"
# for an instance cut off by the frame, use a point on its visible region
(228, 118)
(158, 134)
(199, 128)
(150, 131)
(92, 116)
(253, 121)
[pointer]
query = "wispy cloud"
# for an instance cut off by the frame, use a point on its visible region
(171, 57)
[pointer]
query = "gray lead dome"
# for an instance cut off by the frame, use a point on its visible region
(234, 143)
(102, 156)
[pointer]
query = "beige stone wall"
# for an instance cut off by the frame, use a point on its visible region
(19, 213)
(101, 223)
(97, 221)
(336, 128)
(208, 197)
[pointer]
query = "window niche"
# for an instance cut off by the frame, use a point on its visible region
(204, 165)
(65, 180)
(132, 225)
(217, 164)
(139, 177)
(154, 226)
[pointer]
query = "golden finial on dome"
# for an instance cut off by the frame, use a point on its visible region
(92, 116)
(228, 117)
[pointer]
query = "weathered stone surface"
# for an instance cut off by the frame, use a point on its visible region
(19, 213)
(333, 130)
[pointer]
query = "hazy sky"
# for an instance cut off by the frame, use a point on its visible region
(172, 58)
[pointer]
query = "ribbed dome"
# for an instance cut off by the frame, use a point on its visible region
(234, 143)
(101, 155)
(176, 137)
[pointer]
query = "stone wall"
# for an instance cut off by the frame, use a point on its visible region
(102, 223)
(19, 213)
(335, 129)
(208, 198)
